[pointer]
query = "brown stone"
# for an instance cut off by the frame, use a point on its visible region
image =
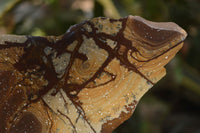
(88, 80)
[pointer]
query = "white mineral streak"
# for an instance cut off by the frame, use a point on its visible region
(12, 38)
(63, 125)
(120, 93)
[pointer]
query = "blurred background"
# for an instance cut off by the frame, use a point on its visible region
(172, 105)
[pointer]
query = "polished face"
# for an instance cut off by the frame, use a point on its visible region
(154, 44)
(88, 80)
(155, 38)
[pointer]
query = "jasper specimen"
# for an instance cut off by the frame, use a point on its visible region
(88, 80)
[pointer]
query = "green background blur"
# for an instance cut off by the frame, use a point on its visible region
(172, 105)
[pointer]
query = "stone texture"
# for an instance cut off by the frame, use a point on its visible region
(88, 80)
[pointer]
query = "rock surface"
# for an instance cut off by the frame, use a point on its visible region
(88, 80)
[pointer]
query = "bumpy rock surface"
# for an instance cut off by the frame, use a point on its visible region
(88, 80)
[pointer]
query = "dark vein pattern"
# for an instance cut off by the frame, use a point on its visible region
(88, 80)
